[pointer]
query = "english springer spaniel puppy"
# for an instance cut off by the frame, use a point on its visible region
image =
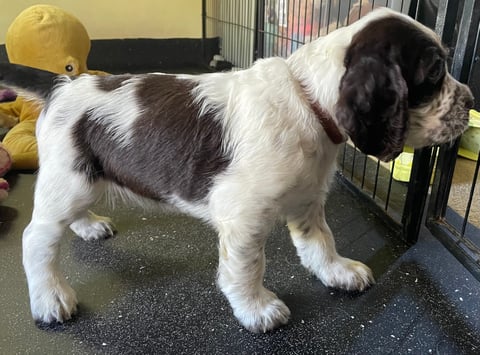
(239, 150)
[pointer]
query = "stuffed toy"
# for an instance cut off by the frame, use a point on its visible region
(5, 164)
(44, 37)
(7, 121)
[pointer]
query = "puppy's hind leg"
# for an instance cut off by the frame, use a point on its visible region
(57, 203)
(90, 226)
(316, 248)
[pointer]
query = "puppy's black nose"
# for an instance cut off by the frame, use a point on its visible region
(469, 102)
(467, 96)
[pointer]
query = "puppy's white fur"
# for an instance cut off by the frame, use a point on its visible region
(282, 162)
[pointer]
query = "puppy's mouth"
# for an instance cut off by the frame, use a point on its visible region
(388, 156)
(451, 129)
(447, 128)
(459, 116)
(456, 123)
(456, 120)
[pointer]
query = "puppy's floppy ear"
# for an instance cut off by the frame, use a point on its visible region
(373, 105)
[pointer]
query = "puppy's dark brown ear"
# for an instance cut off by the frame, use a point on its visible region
(373, 105)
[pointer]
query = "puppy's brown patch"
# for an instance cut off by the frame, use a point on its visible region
(159, 160)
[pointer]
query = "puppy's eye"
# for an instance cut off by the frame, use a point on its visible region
(436, 71)
(69, 68)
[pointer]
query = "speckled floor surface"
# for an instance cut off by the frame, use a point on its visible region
(461, 188)
(151, 290)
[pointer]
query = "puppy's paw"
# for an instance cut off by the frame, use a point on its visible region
(347, 274)
(93, 227)
(53, 302)
(263, 313)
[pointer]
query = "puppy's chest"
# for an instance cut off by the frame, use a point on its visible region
(312, 179)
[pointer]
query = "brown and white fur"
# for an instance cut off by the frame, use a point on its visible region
(239, 150)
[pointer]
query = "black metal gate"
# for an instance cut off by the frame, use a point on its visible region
(252, 29)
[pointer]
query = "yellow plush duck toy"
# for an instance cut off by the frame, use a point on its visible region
(44, 37)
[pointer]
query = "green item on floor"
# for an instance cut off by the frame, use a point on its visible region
(470, 141)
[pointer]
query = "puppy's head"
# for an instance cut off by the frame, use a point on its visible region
(396, 89)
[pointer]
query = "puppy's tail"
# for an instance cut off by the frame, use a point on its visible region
(29, 82)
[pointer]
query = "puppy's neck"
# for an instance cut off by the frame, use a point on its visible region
(326, 120)
(328, 124)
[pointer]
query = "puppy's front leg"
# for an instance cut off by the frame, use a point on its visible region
(316, 248)
(240, 277)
